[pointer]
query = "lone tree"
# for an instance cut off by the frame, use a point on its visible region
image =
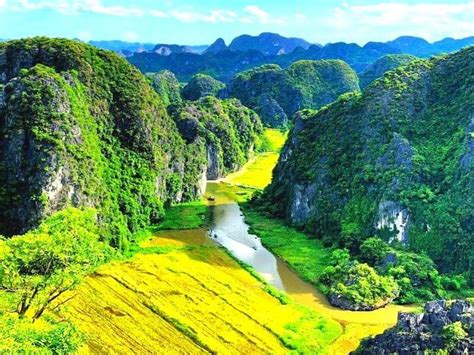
(40, 266)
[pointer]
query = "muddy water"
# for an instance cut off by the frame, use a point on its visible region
(230, 230)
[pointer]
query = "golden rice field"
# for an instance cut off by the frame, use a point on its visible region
(192, 299)
(257, 172)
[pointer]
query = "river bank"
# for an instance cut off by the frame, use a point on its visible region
(204, 298)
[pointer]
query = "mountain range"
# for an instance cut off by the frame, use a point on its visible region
(245, 52)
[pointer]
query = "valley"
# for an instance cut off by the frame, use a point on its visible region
(301, 207)
(248, 299)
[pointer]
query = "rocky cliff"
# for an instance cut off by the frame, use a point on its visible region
(225, 129)
(81, 127)
(395, 161)
(441, 327)
(167, 86)
(273, 91)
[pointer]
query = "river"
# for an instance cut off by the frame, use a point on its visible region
(228, 228)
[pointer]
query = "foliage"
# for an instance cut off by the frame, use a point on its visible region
(112, 139)
(225, 129)
(405, 142)
(167, 86)
(380, 66)
(373, 251)
(40, 266)
(417, 276)
(452, 334)
(201, 85)
(305, 84)
(105, 138)
(44, 336)
(359, 284)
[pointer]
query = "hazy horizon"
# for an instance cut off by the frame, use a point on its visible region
(191, 22)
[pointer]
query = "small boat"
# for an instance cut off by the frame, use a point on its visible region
(254, 247)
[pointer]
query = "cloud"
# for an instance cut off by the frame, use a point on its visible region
(256, 14)
(429, 20)
(249, 14)
(214, 16)
(72, 7)
(131, 36)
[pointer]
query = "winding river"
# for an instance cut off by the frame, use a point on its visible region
(229, 229)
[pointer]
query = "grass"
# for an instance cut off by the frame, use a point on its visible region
(191, 215)
(308, 257)
(274, 139)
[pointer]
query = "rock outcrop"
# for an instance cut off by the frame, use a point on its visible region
(442, 326)
(394, 161)
(80, 127)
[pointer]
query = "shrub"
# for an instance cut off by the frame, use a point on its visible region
(452, 334)
(373, 251)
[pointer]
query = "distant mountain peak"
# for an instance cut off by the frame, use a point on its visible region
(218, 46)
(268, 43)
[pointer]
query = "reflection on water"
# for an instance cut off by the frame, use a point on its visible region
(230, 230)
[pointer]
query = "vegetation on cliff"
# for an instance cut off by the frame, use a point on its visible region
(381, 66)
(225, 130)
(167, 87)
(396, 162)
(276, 93)
(82, 127)
(202, 85)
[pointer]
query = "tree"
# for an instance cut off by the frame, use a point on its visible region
(40, 266)
(373, 250)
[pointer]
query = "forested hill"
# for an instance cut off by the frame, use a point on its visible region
(81, 126)
(276, 93)
(396, 161)
(382, 65)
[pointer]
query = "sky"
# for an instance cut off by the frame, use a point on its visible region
(201, 22)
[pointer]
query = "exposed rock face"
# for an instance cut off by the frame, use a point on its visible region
(224, 129)
(271, 112)
(394, 217)
(388, 162)
(419, 333)
(82, 134)
(214, 171)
